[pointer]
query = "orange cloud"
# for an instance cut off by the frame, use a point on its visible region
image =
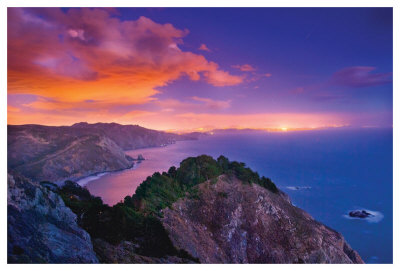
(85, 54)
(12, 109)
(204, 47)
(244, 68)
(220, 78)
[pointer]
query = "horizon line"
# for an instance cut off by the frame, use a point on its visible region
(217, 129)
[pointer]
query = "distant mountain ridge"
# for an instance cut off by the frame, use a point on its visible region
(130, 137)
(57, 153)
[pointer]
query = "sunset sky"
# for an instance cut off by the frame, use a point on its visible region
(183, 69)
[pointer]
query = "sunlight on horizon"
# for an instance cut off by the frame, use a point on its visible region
(81, 64)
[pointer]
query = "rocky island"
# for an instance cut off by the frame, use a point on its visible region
(360, 214)
(205, 211)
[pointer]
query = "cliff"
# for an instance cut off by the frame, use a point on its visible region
(233, 222)
(41, 229)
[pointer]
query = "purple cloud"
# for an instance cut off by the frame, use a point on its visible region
(360, 76)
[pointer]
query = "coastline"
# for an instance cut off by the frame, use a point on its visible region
(83, 181)
(94, 176)
(268, 160)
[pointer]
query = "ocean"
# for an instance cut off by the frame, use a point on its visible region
(325, 172)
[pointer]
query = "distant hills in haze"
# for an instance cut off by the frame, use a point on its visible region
(57, 153)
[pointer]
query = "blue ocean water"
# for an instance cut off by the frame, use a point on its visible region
(325, 172)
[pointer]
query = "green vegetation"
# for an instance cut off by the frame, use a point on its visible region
(161, 190)
(118, 223)
(245, 174)
(137, 217)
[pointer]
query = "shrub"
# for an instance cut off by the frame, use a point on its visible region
(195, 170)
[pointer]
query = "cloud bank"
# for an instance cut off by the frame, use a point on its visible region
(70, 57)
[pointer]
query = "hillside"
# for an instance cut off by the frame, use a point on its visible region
(48, 153)
(207, 211)
(233, 222)
(129, 137)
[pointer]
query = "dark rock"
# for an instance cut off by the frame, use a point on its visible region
(51, 186)
(129, 158)
(140, 157)
(360, 214)
(41, 229)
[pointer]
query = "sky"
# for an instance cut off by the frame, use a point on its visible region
(198, 69)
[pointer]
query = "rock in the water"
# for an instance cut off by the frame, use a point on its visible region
(140, 157)
(229, 221)
(360, 214)
(41, 229)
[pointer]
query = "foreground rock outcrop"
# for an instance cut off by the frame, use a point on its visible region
(41, 229)
(229, 221)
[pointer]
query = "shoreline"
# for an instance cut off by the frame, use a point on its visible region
(92, 177)
(97, 175)
(100, 174)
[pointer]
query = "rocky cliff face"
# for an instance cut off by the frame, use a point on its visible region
(229, 221)
(41, 228)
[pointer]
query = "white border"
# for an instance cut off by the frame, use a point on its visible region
(202, 3)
